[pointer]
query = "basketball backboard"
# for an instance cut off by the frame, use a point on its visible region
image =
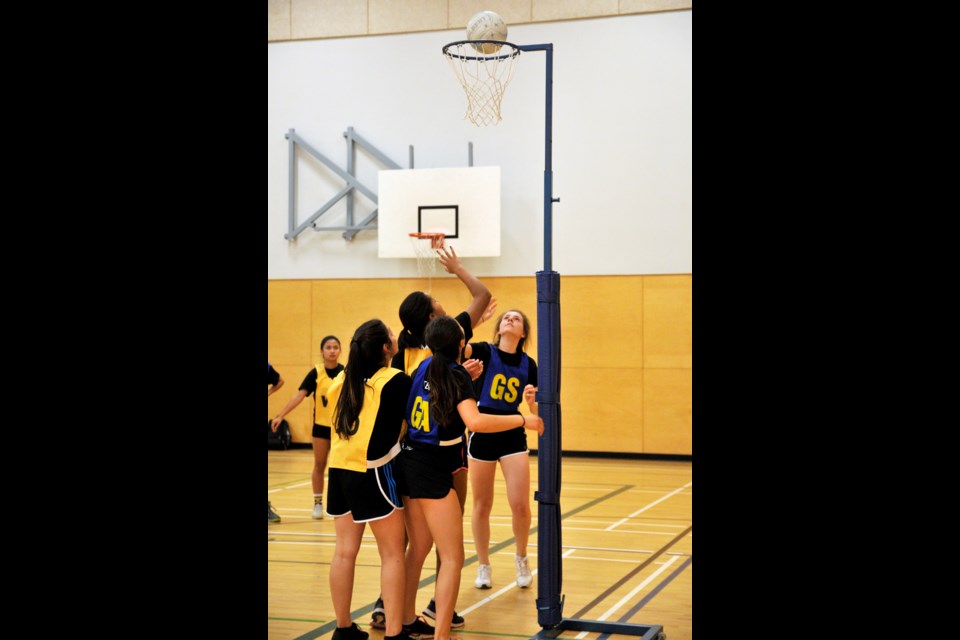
(461, 202)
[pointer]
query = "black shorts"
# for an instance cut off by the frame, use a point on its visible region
(490, 447)
(366, 496)
(458, 457)
(321, 432)
(426, 471)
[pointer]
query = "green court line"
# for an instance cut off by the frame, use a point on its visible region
(297, 620)
(362, 611)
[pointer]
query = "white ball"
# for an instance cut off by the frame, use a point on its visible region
(486, 25)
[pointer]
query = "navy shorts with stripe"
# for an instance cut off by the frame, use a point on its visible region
(366, 496)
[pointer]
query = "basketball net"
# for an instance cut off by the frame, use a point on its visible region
(484, 77)
(425, 246)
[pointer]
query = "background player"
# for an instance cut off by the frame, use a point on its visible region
(316, 383)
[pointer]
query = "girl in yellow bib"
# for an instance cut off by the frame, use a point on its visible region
(369, 401)
(316, 383)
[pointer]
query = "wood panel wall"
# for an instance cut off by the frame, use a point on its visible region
(626, 348)
(308, 19)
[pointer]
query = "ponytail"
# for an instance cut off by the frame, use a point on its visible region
(366, 358)
(443, 336)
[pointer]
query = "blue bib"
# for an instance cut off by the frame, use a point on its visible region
(423, 429)
(503, 384)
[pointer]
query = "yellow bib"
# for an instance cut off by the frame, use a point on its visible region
(413, 357)
(322, 408)
(352, 454)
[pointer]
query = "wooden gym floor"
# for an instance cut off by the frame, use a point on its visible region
(627, 554)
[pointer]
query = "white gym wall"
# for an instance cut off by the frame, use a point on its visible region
(622, 144)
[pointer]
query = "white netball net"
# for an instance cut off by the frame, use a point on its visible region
(484, 77)
(425, 246)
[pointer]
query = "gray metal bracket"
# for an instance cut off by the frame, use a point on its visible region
(348, 175)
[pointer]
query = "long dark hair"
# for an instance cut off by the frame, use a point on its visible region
(443, 336)
(415, 313)
(366, 358)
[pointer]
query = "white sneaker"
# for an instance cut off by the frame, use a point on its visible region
(318, 511)
(483, 580)
(524, 577)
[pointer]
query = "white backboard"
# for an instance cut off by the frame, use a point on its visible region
(461, 202)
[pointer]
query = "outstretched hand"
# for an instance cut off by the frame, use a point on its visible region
(275, 423)
(448, 258)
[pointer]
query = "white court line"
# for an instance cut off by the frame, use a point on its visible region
(655, 502)
(650, 491)
(638, 465)
(567, 554)
(609, 612)
(499, 593)
(304, 533)
(652, 533)
(633, 524)
(319, 544)
(492, 596)
(633, 562)
(504, 493)
(508, 522)
(605, 489)
(293, 486)
(573, 547)
(566, 528)
(608, 549)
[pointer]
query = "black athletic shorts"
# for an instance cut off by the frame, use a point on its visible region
(458, 458)
(490, 447)
(366, 496)
(426, 471)
(321, 432)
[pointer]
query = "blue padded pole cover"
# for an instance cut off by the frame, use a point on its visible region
(549, 545)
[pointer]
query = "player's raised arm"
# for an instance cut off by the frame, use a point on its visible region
(481, 295)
